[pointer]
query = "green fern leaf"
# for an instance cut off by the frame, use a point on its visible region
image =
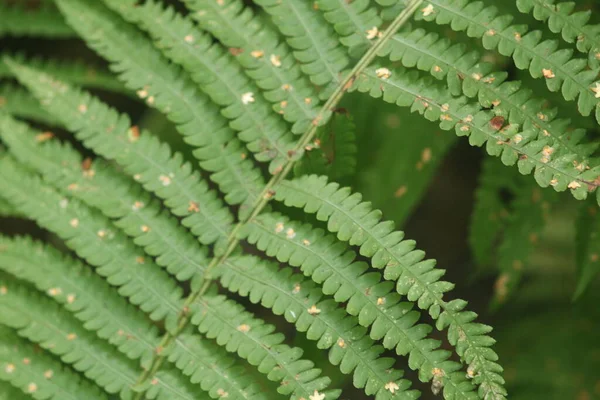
(573, 26)
(142, 155)
(315, 43)
(90, 235)
(8, 392)
(101, 310)
(217, 373)
(588, 265)
(217, 74)
(6, 210)
(333, 152)
(530, 150)
(561, 70)
(172, 93)
(267, 60)
(72, 71)
(356, 223)
(88, 297)
(42, 322)
(355, 22)
(490, 213)
(41, 376)
(100, 185)
(240, 332)
(43, 21)
(331, 265)
(349, 346)
(384, 146)
(18, 102)
(530, 210)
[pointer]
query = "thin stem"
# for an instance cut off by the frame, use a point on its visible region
(267, 193)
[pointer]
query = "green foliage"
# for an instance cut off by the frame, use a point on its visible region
(22, 20)
(159, 266)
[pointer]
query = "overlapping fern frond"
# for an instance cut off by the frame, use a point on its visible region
(167, 242)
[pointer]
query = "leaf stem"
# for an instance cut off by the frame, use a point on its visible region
(267, 193)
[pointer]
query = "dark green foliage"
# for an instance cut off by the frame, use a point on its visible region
(181, 260)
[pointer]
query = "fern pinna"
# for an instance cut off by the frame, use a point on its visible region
(155, 257)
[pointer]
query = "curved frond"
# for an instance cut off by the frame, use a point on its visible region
(240, 332)
(266, 59)
(542, 58)
(16, 101)
(91, 235)
(466, 74)
(356, 222)
(530, 149)
(366, 296)
(100, 185)
(302, 304)
(315, 43)
(42, 376)
(171, 91)
(573, 25)
(142, 155)
(216, 72)
(42, 21)
(75, 72)
(355, 21)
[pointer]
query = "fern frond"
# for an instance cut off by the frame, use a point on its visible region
(302, 304)
(355, 22)
(530, 210)
(171, 91)
(100, 185)
(357, 223)
(42, 21)
(90, 235)
(240, 332)
(573, 26)
(489, 213)
(267, 60)
(218, 75)
(16, 101)
(41, 376)
(8, 392)
(588, 265)
(372, 301)
(333, 152)
(6, 210)
(530, 150)
(81, 292)
(142, 155)
(215, 371)
(465, 74)
(559, 68)
(315, 43)
(101, 310)
(72, 71)
(44, 323)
